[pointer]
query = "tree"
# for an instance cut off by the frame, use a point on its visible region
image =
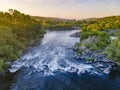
(113, 50)
(93, 27)
(11, 11)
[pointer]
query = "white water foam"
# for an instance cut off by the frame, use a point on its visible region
(52, 55)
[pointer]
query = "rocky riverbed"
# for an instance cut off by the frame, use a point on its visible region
(97, 58)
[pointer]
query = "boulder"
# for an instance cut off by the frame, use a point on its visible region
(76, 34)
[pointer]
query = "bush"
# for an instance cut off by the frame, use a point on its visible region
(113, 50)
(90, 59)
(85, 35)
(1, 64)
(103, 39)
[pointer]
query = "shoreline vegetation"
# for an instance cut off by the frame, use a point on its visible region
(100, 43)
(17, 32)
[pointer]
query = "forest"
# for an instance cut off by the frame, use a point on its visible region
(17, 31)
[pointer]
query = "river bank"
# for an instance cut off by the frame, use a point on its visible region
(97, 58)
(8, 64)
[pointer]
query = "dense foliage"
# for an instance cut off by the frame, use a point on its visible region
(105, 23)
(17, 31)
(113, 50)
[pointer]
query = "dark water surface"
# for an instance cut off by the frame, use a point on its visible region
(52, 65)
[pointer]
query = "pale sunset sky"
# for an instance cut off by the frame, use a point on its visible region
(71, 9)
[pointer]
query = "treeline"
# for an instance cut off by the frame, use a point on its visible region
(17, 31)
(107, 32)
(101, 24)
(58, 24)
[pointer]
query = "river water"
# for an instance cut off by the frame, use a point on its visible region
(52, 65)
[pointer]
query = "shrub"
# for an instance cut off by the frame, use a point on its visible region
(1, 64)
(113, 50)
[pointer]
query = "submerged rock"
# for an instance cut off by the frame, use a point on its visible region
(107, 71)
(76, 34)
(73, 70)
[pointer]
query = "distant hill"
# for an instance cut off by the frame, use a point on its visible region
(52, 23)
(90, 19)
(50, 18)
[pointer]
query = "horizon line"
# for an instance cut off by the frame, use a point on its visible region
(61, 17)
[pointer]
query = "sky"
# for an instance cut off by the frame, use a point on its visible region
(70, 9)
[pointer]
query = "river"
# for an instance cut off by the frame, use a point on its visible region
(52, 65)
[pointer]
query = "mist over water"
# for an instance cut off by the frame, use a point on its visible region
(52, 65)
